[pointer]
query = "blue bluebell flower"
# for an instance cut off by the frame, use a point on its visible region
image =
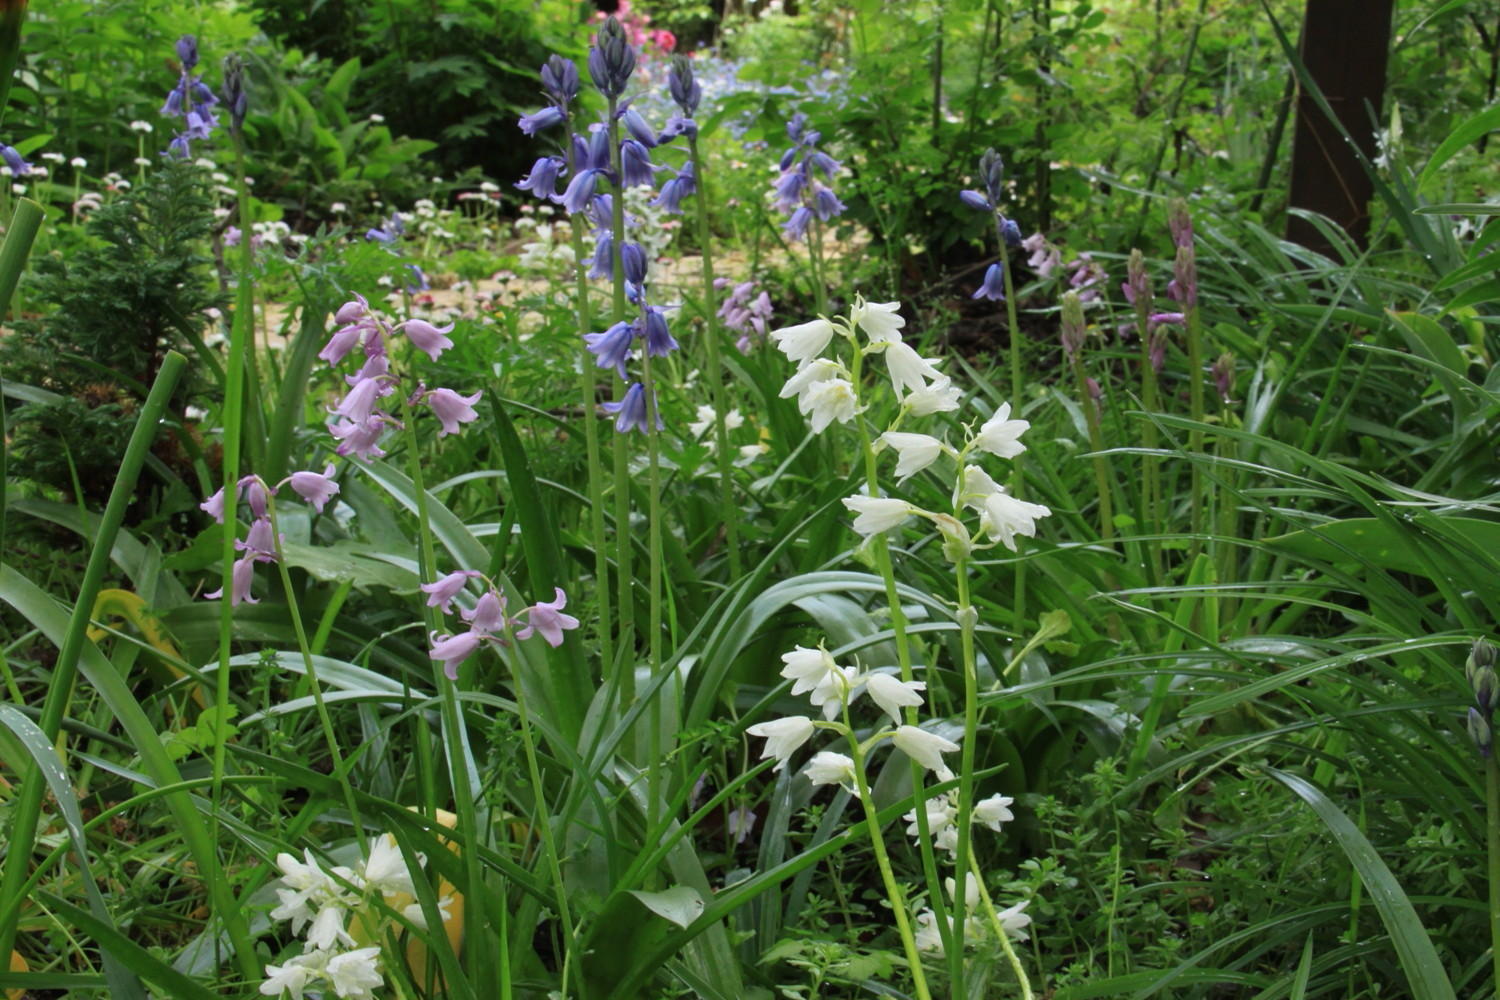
(795, 126)
(631, 410)
(1011, 232)
(633, 260)
(992, 170)
(18, 166)
(394, 228)
(789, 189)
(580, 190)
(975, 200)
(819, 160)
(191, 99)
(637, 127)
(636, 165)
(542, 181)
(540, 121)
(796, 227)
(659, 340)
(597, 155)
(826, 204)
(236, 98)
(604, 256)
(678, 125)
(679, 187)
(612, 347)
(417, 282)
(994, 284)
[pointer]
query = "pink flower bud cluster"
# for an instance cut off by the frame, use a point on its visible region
(745, 313)
(488, 621)
(259, 543)
(361, 420)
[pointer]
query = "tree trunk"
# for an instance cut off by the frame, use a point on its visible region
(1344, 46)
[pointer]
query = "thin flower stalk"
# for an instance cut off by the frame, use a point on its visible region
(624, 553)
(727, 512)
(1001, 935)
(309, 666)
(1074, 335)
(1139, 292)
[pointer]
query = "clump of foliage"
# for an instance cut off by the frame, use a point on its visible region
(136, 288)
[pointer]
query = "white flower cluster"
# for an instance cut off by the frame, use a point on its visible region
(1012, 919)
(323, 902)
(827, 391)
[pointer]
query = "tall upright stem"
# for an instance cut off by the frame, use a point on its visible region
(967, 619)
(715, 367)
(1492, 841)
(1016, 388)
(624, 679)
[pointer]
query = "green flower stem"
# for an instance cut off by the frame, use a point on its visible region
(999, 929)
(967, 618)
(586, 390)
(463, 784)
(880, 546)
(1151, 479)
(1492, 840)
(887, 876)
(727, 513)
(24, 226)
(335, 753)
(625, 651)
(653, 530)
(1195, 436)
(1013, 328)
(244, 306)
(542, 819)
(27, 805)
(1096, 444)
(819, 270)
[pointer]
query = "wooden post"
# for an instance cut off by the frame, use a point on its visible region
(1344, 46)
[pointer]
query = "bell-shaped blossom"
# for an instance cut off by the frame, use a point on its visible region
(542, 181)
(826, 204)
(432, 340)
(355, 974)
(893, 694)
(359, 439)
(795, 227)
(580, 190)
(880, 321)
(630, 411)
(938, 396)
(487, 616)
(441, 592)
(807, 668)
(828, 400)
(811, 372)
(612, 347)
(18, 166)
(915, 452)
(214, 506)
(259, 542)
(829, 768)
(993, 811)
(359, 404)
(923, 747)
(681, 186)
(636, 165)
(1000, 435)
(542, 120)
(241, 576)
(994, 284)
(1004, 517)
(316, 488)
(875, 515)
(637, 127)
(976, 200)
(453, 650)
(783, 737)
(451, 409)
(659, 339)
(342, 342)
(805, 341)
(633, 262)
(909, 370)
(546, 619)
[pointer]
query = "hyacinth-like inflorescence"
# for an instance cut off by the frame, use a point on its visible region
(488, 622)
(746, 313)
(236, 99)
(260, 543)
(332, 907)
(191, 100)
(992, 175)
(800, 193)
(1479, 671)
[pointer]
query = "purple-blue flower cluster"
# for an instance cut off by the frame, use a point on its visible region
(191, 100)
(799, 192)
(992, 172)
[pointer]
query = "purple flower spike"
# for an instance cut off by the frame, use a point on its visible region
(612, 347)
(548, 621)
(451, 409)
(488, 614)
(452, 650)
(241, 576)
(994, 284)
(440, 593)
(314, 487)
(426, 337)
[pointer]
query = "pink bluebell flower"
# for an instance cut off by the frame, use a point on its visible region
(547, 620)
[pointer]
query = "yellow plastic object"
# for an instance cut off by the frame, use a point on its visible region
(17, 964)
(129, 606)
(453, 924)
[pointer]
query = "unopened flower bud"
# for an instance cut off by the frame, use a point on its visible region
(611, 60)
(1479, 669)
(956, 541)
(1223, 372)
(992, 169)
(1481, 733)
(1138, 281)
(235, 97)
(1180, 223)
(686, 90)
(1073, 327)
(560, 80)
(1184, 287)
